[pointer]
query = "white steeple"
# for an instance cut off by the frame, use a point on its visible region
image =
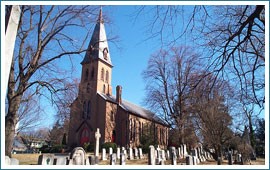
(98, 47)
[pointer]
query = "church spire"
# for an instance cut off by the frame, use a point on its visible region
(98, 47)
(100, 17)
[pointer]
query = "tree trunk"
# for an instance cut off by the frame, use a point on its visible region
(10, 123)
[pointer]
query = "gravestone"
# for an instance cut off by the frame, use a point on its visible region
(113, 159)
(168, 154)
(189, 160)
(151, 155)
(185, 149)
(14, 161)
(219, 161)
(140, 153)
(238, 158)
(122, 159)
(104, 156)
(110, 151)
(163, 157)
(96, 160)
(46, 159)
(230, 158)
(77, 156)
(97, 136)
(136, 153)
(118, 153)
(60, 160)
(130, 154)
(194, 160)
(92, 160)
(173, 157)
(7, 160)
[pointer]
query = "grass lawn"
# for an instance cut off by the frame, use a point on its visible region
(32, 159)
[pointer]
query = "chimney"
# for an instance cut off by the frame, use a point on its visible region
(119, 94)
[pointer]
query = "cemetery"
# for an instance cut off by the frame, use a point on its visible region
(130, 156)
(195, 115)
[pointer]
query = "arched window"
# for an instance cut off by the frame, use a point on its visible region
(89, 110)
(88, 88)
(92, 74)
(107, 76)
(104, 88)
(102, 74)
(86, 75)
(112, 116)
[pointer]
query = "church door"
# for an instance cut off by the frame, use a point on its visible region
(85, 136)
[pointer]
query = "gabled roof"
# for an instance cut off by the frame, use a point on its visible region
(98, 44)
(134, 109)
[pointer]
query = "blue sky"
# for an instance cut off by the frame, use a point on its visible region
(129, 55)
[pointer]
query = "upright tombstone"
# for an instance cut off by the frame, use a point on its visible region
(219, 160)
(136, 153)
(113, 159)
(173, 156)
(140, 153)
(189, 160)
(130, 154)
(168, 154)
(104, 156)
(46, 159)
(14, 161)
(77, 156)
(7, 160)
(151, 155)
(97, 136)
(230, 158)
(122, 159)
(163, 157)
(185, 149)
(118, 153)
(110, 151)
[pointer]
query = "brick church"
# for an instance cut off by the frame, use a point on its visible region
(95, 107)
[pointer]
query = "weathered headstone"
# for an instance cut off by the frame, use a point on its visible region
(173, 156)
(140, 153)
(185, 149)
(230, 158)
(163, 157)
(60, 160)
(104, 156)
(168, 154)
(77, 156)
(14, 161)
(7, 160)
(130, 154)
(151, 155)
(92, 160)
(97, 136)
(110, 151)
(194, 160)
(219, 161)
(136, 153)
(46, 159)
(118, 153)
(189, 160)
(113, 159)
(122, 159)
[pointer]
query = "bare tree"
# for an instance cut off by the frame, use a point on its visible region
(46, 34)
(167, 76)
(211, 115)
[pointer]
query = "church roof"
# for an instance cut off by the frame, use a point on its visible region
(134, 109)
(98, 44)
